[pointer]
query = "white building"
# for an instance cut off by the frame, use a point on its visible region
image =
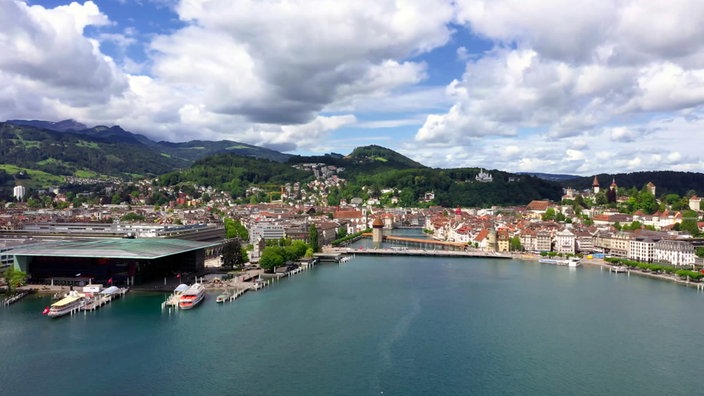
(674, 252)
(19, 192)
(267, 231)
(565, 242)
(484, 177)
(642, 249)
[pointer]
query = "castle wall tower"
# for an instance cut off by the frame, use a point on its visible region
(595, 185)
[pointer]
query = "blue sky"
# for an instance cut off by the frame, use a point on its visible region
(523, 86)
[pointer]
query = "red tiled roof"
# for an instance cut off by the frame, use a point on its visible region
(538, 205)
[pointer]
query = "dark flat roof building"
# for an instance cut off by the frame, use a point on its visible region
(112, 260)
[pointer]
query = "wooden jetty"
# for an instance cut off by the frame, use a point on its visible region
(14, 298)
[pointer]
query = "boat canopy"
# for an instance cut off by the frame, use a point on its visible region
(66, 301)
(181, 288)
(110, 290)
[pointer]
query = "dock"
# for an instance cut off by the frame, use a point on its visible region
(103, 298)
(235, 295)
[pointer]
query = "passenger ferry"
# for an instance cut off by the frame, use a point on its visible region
(192, 296)
(571, 262)
(71, 302)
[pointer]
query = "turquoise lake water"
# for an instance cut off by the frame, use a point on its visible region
(392, 326)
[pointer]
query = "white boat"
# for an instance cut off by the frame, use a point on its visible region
(72, 302)
(223, 297)
(570, 262)
(192, 296)
(574, 262)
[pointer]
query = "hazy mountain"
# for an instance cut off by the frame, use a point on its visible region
(60, 126)
(67, 147)
(550, 176)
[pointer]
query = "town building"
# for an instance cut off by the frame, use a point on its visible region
(119, 261)
(565, 242)
(19, 192)
(674, 252)
(543, 241)
(502, 240)
(642, 249)
(267, 231)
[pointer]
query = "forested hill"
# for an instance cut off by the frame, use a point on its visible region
(235, 174)
(666, 182)
(371, 172)
(69, 153)
(68, 148)
(363, 160)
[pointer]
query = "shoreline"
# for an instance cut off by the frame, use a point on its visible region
(238, 282)
(603, 264)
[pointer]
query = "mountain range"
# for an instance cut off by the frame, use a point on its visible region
(42, 152)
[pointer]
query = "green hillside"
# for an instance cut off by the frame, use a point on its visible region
(234, 174)
(70, 153)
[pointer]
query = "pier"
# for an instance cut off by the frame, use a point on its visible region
(14, 298)
(103, 298)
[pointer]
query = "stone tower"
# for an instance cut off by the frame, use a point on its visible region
(377, 232)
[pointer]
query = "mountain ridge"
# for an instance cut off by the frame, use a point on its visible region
(69, 148)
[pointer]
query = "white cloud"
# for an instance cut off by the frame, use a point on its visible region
(580, 71)
(284, 61)
(47, 61)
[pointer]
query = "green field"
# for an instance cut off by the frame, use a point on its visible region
(83, 143)
(37, 179)
(85, 173)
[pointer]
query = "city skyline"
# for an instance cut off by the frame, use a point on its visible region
(578, 88)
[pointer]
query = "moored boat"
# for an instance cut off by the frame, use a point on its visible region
(72, 302)
(192, 296)
(570, 262)
(223, 297)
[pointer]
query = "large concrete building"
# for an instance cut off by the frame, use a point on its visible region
(120, 261)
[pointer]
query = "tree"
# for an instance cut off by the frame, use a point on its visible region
(235, 229)
(515, 244)
(14, 278)
(313, 237)
(132, 216)
(699, 251)
(233, 256)
(601, 198)
(689, 223)
(271, 258)
(549, 214)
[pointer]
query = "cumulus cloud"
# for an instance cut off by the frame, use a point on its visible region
(46, 57)
(283, 62)
(576, 71)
